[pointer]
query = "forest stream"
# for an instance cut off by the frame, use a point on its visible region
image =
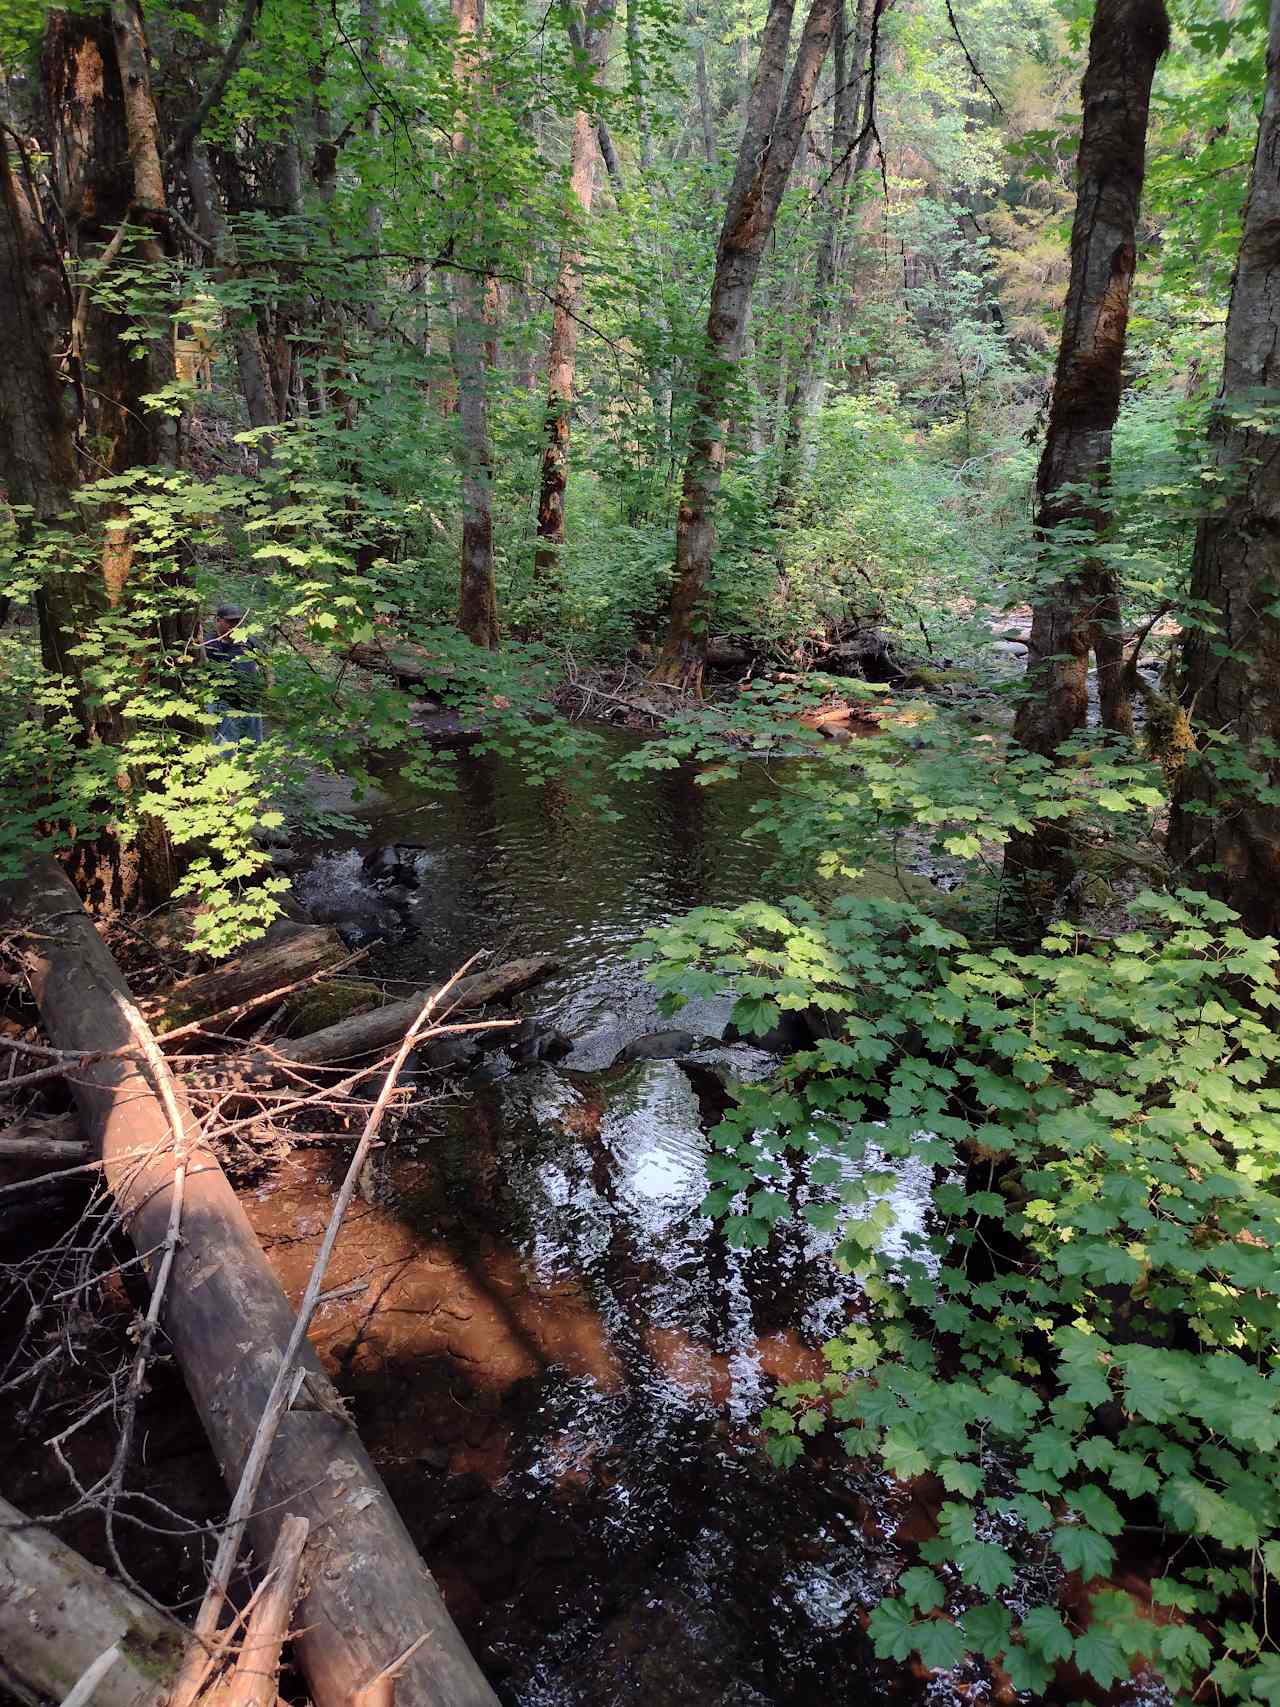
(554, 1358)
(556, 1361)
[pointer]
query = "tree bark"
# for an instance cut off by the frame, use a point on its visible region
(58, 1613)
(72, 396)
(584, 153)
(294, 953)
(1223, 824)
(849, 156)
(477, 590)
(1079, 611)
(771, 135)
(227, 1322)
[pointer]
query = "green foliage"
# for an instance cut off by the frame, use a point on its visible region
(1086, 1336)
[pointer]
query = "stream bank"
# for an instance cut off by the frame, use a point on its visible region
(552, 1357)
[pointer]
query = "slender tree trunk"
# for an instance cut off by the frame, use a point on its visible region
(584, 154)
(1231, 673)
(255, 384)
(371, 34)
(771, 135)
(704, 104)
(635, 65)
(849, 156)
(477, 591)
(1080, 608)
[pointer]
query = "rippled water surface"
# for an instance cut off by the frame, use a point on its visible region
(555, 1359)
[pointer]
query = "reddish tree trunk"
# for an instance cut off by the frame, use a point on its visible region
(1080, 609)
(1230, 824)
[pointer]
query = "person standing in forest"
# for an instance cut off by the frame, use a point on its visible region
(238, 676)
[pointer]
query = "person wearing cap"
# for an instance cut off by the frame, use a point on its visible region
(238, 678)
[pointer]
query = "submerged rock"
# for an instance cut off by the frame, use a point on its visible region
(659, 1046)
(535, 1040)
(793, 1031)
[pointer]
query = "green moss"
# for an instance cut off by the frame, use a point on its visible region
(329, 1003)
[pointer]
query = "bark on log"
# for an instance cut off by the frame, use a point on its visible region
(54, 1139)
(296, 953)
(58, 1613)
(227, 1321)
(402, 662)
(368, 1034)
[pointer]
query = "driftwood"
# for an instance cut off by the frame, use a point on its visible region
(227, 1322)
(59, 1615)
(295, 952)
(371, 1033)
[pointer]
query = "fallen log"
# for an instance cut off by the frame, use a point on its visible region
(53, 1138)
(371, 1033)
(59, 1614)
(369, 1595)
(405, 664)
(295, 952)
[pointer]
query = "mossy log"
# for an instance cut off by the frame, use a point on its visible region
(372, 1033)
(59, 1613)
(294, 952)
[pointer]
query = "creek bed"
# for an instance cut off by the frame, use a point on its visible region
(554, 1359)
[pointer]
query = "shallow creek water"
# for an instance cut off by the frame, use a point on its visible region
(555, 1359)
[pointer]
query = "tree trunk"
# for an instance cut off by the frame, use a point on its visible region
(84, 368)
(807, 378)
(255, 384)
(584, 154)
(1080, 608)
(227, 1323)
(635, 65)
(1231, 672)
(477, 591)
(704, 103)
(771, 135)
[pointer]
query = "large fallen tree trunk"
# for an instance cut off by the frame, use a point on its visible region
(294, 953)
(59, 1613)
(369, 1596)
(407, 665)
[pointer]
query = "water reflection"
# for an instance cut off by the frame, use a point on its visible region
(556, 1360)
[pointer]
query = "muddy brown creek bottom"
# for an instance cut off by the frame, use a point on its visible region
(556, 1364)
